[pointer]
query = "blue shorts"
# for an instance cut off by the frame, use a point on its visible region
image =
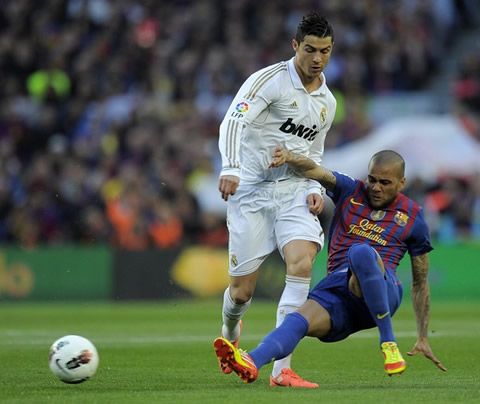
(348, 313)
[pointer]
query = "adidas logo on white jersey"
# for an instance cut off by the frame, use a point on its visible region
(294, 105)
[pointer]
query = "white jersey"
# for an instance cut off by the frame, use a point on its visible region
(273, 108)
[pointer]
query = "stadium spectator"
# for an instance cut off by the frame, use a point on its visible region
(466, 92)
(165, 227)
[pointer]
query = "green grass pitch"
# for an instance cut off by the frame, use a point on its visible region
(162, 353)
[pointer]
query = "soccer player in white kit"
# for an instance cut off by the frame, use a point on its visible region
(287, 104)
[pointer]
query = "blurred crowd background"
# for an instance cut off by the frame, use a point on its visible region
(110, 108)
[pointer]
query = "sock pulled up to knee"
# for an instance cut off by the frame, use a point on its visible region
(294, 295)
(363, 263)
(281, 341)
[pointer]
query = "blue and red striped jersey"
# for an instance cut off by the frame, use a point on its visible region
(391, 231)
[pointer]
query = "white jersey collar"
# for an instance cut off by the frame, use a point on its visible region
(297, 83)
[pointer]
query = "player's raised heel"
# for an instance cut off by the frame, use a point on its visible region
(394, 362)
(235, 359)
(223, 367)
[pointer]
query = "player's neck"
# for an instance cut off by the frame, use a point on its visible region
(310, 83)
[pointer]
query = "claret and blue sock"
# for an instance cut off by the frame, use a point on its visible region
(281, 341)
(363, 262)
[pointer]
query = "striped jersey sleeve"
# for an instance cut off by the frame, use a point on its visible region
(252, 99)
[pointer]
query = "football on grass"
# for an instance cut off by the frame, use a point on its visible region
(73, 359)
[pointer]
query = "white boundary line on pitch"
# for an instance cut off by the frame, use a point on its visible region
(20, 337)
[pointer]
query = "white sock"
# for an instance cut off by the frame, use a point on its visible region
(232, 313)
(293, 296)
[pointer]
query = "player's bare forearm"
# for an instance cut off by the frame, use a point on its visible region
(304, 166)
(421, 293)
(421, 306)
(307, 168)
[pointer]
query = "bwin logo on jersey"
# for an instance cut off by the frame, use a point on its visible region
(299, 130)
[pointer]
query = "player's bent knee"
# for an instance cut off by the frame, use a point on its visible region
(299, 256)
(242, 287)
(362, 259)
(301, 268)
(360, 250)
(242, 299)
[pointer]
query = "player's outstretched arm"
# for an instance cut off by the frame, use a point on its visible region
(421, 306)
(303, 166)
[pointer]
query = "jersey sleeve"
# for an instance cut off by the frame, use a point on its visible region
(344, 187)
(250, 101)
(419, 240)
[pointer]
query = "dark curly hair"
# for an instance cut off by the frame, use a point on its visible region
(313, 24)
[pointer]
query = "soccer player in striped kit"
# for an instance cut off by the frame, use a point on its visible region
(270, 208)
(373, 226)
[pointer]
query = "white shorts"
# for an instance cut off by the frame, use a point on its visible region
(266, 216)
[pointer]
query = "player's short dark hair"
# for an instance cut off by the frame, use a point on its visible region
(388, 157)
(313, 24)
